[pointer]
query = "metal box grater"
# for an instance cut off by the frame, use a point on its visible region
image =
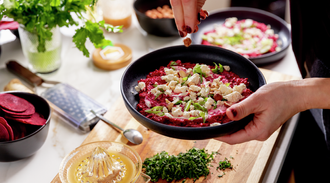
(73, 106)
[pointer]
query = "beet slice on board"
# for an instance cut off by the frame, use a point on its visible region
(4, 135)
(8, 127)
(13, 103)
(36, 119)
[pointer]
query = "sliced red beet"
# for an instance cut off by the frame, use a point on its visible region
(8, 127)
(36, 119)
(13, 103)
(28, 112)
(19, 130)
(16, 116)
(4, 135)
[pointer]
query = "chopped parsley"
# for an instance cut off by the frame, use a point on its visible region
(192, 164)
(224, 164)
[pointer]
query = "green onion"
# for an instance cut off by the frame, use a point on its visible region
(173, 63)
(192, 118)
(227, 84)
(155, 85)
(199, 107)
(215, 70)
(220, 68)
(203, 115)
(155, 109)
(158, 95)
(184, 80)
(201, 78)
(197, 70)
(178, 102)
(187, 107)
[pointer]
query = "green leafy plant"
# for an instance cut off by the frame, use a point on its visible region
(41, 16)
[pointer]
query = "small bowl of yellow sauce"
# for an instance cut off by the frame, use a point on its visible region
(102, 161)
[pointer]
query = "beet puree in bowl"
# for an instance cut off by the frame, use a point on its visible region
(194, 54)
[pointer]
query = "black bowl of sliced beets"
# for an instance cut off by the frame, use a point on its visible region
(186, 90)
(24, 124)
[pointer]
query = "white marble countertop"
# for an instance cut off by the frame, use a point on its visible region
(103, 86)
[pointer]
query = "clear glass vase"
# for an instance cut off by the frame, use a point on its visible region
(42, 62)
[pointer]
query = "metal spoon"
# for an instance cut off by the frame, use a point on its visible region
(131, 135)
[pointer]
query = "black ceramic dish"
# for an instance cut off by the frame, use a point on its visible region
(159, 27)
(196, 54)
(279, 26)
(30, 144)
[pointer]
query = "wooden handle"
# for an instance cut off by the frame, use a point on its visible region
(23, 72)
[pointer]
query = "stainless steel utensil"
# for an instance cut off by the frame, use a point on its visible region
(132, 135)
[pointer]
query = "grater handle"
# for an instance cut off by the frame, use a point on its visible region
(23, 72)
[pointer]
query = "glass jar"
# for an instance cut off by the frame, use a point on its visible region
(117, 12)
(42, 62)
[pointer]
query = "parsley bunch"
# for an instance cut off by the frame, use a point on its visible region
(192, 164)
(40, 16)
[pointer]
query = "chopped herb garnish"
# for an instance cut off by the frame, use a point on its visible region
(202, 102)
(155, 110)
(184, 80)
(192, 164)
(227, 84)
(197, 70)
(199, 107)
(187, 107)
(158, 95)
(161, 89)
(220, 68)
(193, 118)
(215, 70)
(178, 102)
(173, 63)
(203, 115)
(224, 164)
(155, 85)
(223, 99)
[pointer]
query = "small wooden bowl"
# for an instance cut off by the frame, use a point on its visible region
(112, 64)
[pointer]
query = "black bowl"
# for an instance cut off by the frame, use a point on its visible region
(195, 54)
(164, 27)
(279, 26)
(31, 143)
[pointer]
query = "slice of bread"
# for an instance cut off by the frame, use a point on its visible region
(17, 85)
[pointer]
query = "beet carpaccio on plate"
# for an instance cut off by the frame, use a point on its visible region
(190, 94)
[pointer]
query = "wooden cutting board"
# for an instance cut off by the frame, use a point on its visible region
(249, 159)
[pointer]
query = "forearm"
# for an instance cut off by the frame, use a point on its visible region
(311, 93)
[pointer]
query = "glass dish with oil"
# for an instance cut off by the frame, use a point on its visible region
(102, 162)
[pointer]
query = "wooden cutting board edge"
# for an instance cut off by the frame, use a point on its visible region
(101, 132)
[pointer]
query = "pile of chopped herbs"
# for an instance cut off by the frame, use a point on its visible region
(192, 164)
(224, 164)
